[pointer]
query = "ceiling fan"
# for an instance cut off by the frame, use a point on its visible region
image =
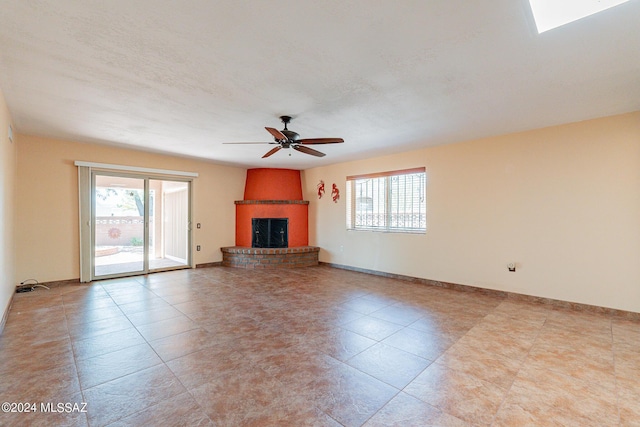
(286, 138)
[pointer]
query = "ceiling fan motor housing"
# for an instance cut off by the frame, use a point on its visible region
(291, 135)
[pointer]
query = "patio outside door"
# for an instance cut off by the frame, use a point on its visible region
(169, 224)
(139, 224)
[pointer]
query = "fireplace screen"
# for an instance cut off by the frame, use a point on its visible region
(269, 232)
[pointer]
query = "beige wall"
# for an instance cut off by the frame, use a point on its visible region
(562, 202)
(8, 159)
(47, 203)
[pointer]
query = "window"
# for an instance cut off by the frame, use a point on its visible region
(550, 14)
(388, 201)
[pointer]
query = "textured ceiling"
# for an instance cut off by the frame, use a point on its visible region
(387, 76)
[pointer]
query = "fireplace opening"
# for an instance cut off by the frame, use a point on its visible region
(269, 232)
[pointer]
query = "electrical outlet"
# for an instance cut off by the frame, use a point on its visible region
(198, 248)
(511, 266)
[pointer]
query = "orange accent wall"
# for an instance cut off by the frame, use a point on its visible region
(298, 222)
(273, 184)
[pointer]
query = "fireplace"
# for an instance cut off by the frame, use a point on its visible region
(273, 193)
(272, 223)
(269, 232)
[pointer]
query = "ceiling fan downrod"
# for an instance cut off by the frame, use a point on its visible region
(285, 120)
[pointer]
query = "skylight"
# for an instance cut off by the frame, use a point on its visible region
(551, 14)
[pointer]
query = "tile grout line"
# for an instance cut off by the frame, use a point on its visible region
(615, 374)
(187, 390)
(515, 377)
(163, 362)
(75, 362)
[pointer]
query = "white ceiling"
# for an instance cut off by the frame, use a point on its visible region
(183, 77)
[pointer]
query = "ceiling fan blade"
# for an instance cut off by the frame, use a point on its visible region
(308, 141)
(307, 150)
(272, 151)
(279, 136)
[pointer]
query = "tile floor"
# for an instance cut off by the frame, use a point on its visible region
(311, 347)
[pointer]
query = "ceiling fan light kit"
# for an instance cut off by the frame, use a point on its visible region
(286, 138)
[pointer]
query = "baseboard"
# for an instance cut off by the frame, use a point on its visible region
(495, 293)
(57, 283)
(5, 315)
(209, 264)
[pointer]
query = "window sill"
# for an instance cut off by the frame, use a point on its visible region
(381, 230)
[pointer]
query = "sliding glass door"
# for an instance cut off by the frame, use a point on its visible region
(169, 224)
(118, 225)
(139, 224)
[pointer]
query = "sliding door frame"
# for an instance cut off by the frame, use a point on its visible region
(145, 226)
(86, 185)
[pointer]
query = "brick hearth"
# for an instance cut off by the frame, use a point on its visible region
(269, 258)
